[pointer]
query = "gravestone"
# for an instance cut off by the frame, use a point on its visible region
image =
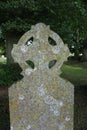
(42, 100)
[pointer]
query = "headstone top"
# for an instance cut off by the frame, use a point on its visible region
(36, 48)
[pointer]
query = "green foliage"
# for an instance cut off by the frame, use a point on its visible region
(19, 15)
(16, 4)
(2, 51)
(68, 18)
(9, 74)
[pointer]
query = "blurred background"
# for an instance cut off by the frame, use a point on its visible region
(68, 18)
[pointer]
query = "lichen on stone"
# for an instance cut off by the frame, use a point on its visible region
(42, 100)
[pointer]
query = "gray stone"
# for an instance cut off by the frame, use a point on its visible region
(42, 100)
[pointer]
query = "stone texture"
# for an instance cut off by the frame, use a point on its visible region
(42, 100)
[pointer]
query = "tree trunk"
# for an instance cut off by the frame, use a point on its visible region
(9, 47)
(11, 38)
(76, 54)
(85, 54)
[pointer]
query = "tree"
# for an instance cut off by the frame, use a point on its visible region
(17, 16)
(2, 46)
(84, 49)
(64, 17)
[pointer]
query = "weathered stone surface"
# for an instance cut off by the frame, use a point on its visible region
(42, 100)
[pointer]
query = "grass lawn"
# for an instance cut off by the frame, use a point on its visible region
(75, 73)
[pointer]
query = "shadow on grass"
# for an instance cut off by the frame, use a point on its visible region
(4, 109)
(80, 108)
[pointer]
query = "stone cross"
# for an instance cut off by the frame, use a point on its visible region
(42, 100)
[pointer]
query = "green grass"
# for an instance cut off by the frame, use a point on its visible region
(75, 73)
